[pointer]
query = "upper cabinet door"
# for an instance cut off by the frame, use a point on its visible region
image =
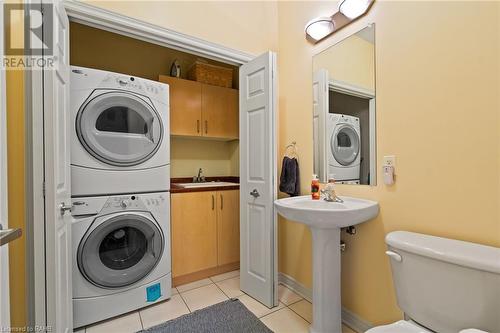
(185, 106)
(220, 112)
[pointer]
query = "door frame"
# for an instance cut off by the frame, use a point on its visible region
(367, 94)
(4, 251)
(124, 25)
(110, 21)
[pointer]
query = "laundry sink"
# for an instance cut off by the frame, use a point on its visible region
(205, 184)
(326, 215)
(325, 220)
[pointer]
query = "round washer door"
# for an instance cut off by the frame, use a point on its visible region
(119, 128)
(345, 144)
(122, 250)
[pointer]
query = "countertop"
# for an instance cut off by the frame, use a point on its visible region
(177, 189)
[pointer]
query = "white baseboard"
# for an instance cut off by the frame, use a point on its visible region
(349, 318)
(354, 321)
(296, 286)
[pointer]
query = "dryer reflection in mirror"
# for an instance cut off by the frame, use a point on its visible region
(120, 251)
(344, 110)
(344, 157)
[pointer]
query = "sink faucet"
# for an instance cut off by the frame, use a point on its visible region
(200, 178)
(329, 193)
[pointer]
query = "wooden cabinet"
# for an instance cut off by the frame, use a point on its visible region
(219, 112)
(185, 106)
(194, 232)
(198, 109)
(205, 234)
(228, 227)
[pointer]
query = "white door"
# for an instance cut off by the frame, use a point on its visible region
(4, 256)
(57, 177)
(258, 166)
(320, 113)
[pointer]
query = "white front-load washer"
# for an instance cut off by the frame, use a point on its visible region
(344, 148)
(120, 138)
(121, 254)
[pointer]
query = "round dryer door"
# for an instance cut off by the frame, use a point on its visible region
(119, 128)
(345, 144)
(122, 250)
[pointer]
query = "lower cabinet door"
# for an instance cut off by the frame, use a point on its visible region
(228, 226)
(194, 232)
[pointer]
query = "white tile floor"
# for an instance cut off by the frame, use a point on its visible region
(293, 315)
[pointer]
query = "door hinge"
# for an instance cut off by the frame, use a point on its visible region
(43, 189)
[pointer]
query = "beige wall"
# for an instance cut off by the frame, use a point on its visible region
(15, 171)
(249, 26)
(437, 66)
(351, 60)
(216, 158)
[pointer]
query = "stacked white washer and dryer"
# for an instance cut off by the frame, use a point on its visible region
(120, 180)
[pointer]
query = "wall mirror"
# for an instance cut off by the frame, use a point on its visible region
(344, 110)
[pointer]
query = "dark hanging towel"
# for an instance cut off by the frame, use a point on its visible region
(290, 180)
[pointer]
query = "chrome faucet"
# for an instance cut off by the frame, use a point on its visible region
(330, 195)
(200, 178)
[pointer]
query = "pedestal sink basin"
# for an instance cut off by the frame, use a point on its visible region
(325, 220)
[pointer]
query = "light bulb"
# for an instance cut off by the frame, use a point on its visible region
(354, 8)
(319, 28)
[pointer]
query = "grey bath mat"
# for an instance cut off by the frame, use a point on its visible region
(226, 317)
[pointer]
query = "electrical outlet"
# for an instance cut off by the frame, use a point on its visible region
(390, 160)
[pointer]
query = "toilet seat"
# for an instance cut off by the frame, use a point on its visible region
(401, 326)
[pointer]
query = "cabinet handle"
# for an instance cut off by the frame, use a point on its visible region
(206, 126)
(213, 202)
(197, 126)
(221, 202)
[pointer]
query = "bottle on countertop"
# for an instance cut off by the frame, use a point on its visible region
(315, 188)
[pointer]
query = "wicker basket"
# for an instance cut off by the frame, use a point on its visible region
(211, 74)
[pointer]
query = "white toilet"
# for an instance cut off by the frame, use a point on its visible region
(443, 285)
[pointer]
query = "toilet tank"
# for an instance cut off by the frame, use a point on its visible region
(444, 284)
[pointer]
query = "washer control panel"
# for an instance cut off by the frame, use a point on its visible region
(107, 205)
(155, 200)
(129, 202)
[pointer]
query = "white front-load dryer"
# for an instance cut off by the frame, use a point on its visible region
(120, 137)
(121, 254)
(344, 148)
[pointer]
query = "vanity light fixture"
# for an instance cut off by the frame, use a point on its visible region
(319, 28)
(349, 11)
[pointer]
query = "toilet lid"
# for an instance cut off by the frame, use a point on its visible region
(401, 326)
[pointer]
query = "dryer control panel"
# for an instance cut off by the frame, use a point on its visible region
(142, 86)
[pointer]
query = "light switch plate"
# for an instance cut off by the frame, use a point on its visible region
(390, 160)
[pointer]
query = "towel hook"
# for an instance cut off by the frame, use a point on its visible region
(292, 148)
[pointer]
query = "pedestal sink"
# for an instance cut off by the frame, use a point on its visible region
(325, 220)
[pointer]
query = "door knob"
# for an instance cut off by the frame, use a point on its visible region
(255, 193)
(63, 208)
